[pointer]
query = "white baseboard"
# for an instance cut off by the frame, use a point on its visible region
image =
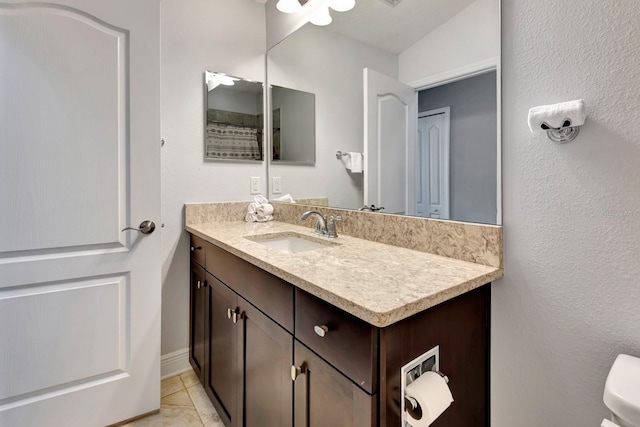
(175, 363)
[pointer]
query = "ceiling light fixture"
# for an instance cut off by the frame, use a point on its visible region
(322, 16)
(216, 79)
(289, 6)
(342, 5)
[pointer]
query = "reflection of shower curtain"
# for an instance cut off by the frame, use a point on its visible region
(232, 142)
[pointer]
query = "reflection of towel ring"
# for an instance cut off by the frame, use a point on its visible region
(341, 154)
(566, 133)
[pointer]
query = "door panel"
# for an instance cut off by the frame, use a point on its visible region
(222, 376)
(268, 388)
(70, 131)
(79, 161)
(390, 114)
(325, 397)
(92, 348)
(433, 166)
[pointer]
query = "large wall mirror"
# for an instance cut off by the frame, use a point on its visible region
(234, 119)
(412, 92)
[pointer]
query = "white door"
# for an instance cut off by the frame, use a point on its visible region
(390, 113)
(432, 190)
(79, 161)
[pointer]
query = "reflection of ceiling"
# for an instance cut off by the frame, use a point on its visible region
(394, 29)
(247, 86)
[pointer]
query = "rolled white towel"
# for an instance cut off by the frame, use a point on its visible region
(263, 218)
(264, 209)
(546, 117)
(251, 217)
(253, 207)
(286, 198)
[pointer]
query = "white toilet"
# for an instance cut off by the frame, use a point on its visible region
(622, 392)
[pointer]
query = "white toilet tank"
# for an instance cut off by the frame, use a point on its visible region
(622, 391)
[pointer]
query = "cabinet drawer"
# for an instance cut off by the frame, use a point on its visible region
(198, 249)
(349, 344)
(270, 294)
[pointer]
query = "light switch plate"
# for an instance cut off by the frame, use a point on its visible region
(277, 185)
(255, 185)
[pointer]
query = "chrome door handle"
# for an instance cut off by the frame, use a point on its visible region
(146, 227)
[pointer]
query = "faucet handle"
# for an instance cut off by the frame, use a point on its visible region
(331, 227)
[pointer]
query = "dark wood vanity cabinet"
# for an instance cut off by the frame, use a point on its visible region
(271, 355)
(198, 299)
(242, 355)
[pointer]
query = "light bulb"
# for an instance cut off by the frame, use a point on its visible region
(322, 17)
(342, 5)
(288, 6)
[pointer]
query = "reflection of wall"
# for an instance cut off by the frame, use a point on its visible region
(470, 37)
(311, 57)
(473, 134)
(568, 303)
(296, 123)
(226, 98)
(192, 42)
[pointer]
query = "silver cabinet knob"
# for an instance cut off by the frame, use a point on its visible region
(197, 248)
(321, 330)
(199, 284)
(146, 227)
(233, 314)
(296, 371)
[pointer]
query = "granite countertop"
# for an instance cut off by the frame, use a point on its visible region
(378, 283)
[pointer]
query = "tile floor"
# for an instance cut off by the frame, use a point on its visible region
(183, 403)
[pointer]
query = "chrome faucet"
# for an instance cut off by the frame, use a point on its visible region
(323, 228)
(321, 222)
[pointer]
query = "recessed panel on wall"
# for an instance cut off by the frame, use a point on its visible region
(59, 334)
(69, 72)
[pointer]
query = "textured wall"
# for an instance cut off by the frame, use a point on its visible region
(569, 301)
(218, 35)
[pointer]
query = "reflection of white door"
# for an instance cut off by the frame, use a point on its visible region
(79, 161)
(432, 190)
(390, 111)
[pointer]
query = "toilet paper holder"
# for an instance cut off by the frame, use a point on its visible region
(412, 404)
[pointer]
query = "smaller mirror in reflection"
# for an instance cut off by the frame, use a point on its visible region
(234, 119)
(294, 126)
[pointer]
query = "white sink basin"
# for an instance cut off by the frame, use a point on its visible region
(290, 243)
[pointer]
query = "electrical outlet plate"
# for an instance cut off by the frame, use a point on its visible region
(277, 185)
(255, 185)
(429, 361)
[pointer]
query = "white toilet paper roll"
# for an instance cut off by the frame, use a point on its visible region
(432, 394)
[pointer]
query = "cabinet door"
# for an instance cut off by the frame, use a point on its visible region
(223, 377)
(267, 355)
(324, 397)
(197, 319)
